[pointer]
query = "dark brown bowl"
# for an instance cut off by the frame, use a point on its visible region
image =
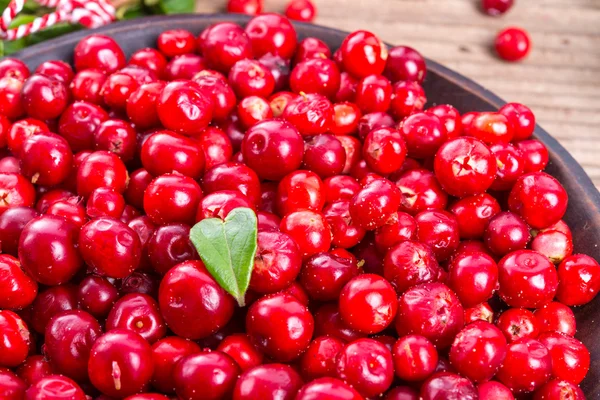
(442, 86)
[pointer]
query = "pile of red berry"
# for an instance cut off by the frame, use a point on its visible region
(384, 228)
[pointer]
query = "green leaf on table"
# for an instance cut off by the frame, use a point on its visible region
(177, 6)
(227, 248)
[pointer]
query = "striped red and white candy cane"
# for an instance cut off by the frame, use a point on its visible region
(89, 13)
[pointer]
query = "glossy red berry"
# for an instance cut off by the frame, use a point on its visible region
(120, 363)
(408, 97)
(438, 230)
(48, 250)
(310, 231)
(506, 232)
(183, 195)
(248, 7)
(98, 51)
(405, 64)
(138, 313)
(101, 169)
(512, 44)
(280, 326)
(241, 350)
(268, 381)
(211, 373)
(14, 68)
(55, 387)
(15, 339)
(324, 155)
(410, 263)
(96, 295)
(11, 102)
(277, 262)
(432, 310)
(301, 10)
(527, 279)
(518, 323)
(556, 317)
(366, 365)
(490, 127)
(555, 389)
(68, 340)
(319, 359)
(170, 245)
(188, 293)
(363, 53)
(51, 302)
(300, 190)
(473, 214)
(478, 351)
(384, 150)
(521, 117)
(450, 386)
(233, 176)
(18, 289)
(311, 114)
(473, 276)
(32, 370)
(165, 355)
(273, 149)
(539, 198)
(176, 42)
(316, 75)
(374, 204)
(423, 133)
(44, 97)
(578, 280)
(527, 366)
(185, 108)
(415, 358)
(272, 33)
(78, 124)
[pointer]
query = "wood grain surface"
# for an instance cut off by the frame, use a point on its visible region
(560, 80)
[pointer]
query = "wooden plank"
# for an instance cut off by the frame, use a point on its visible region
(560, 80)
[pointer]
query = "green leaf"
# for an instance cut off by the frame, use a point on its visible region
(177, 6)
(131, 11)
(227, 248)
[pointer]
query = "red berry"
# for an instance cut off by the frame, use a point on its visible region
(311, 114)
(15, 339)
(151, 59)
(555, 389)
(44, 97)
(96, 295)
(506, 232)
(512, 44)
(18, 289)
(363, 53)
(182, 195)
(276, 264)
(233, 176)
(176, 42)
(272, 33)
(192, 302)
(556, 317)
(450, 117)
(579, 280)
(431, 310)
(120, 363)
(415, 358)
(478, 351)
(518, 323)
(374, 204)
(98, 51)
(101, 169)
(185, 108)
(213, 374)
(420, 191)
(399, 228)
(539, 198)
(405, 64)
(249, 7)
(268, 381)
(423, 133)
(570, 357)
(14, 68)
(473, 214)
(493, 390)
(449, 386)
(55, 387)
(48, 250)
(316, 75)
(32, 370)
(11, 102)
(490, 127)
(327, 389)
(535, 155)
(319, 359)
(521, 118)
(280, 326)
(384, 150)
(79, 122)
(366, 365)
(439, 230)
(138, 313)
(527, 366)
(481, 312)
(165, 355)
(473, 276)
(410, 263)
(301, 10)
(51, 302)
(408, 97)
(68, 340)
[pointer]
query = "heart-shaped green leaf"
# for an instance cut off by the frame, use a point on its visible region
(227, 248)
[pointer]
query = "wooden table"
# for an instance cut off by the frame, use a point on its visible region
(560, 80)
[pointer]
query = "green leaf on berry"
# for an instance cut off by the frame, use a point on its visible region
(227, 248)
